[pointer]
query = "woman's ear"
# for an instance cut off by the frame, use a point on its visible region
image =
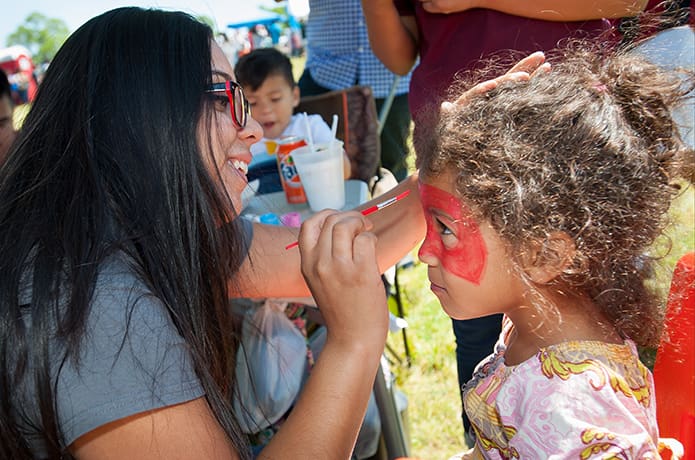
(545, 260)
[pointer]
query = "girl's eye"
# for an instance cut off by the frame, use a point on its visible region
(443, 229)
(276, 100)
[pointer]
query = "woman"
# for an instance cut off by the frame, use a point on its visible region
(120, 244)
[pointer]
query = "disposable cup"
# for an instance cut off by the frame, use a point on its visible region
(321, 173)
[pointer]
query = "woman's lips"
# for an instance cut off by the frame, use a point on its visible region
(240, 166)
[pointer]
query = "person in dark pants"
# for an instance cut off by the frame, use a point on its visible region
(475, 338)
(339, 56)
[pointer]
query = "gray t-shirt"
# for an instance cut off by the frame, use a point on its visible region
(132, 359)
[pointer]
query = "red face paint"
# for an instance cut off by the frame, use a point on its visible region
(463, 252)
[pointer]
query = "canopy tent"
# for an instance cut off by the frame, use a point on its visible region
(265, 19)
(16, 62)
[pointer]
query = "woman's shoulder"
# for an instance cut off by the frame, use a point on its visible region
(132, 358)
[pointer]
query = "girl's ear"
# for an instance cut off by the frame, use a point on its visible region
(546, 260)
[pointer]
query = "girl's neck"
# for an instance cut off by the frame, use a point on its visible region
(565, 317)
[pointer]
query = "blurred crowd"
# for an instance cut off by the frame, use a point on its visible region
(286, 35)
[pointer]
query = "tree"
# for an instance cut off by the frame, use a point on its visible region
(41, 35)
(207, 20)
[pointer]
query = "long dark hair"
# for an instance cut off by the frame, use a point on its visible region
(107, 162)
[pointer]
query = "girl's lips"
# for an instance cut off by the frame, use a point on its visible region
(436, 288)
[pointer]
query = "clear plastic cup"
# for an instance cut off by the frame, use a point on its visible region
(321, 173)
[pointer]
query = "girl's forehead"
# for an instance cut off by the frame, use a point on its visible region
(438, 201)
(440, 186)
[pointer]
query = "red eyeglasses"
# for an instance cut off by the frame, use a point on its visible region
(238, 105)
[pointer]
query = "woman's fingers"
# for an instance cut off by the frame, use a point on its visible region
(523, 70)
(340, 266)
(528, 64)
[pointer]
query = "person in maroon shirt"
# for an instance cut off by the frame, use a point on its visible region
(451, 36)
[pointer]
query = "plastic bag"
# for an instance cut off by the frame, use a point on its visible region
(270, 367)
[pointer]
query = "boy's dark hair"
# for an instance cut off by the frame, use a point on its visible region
(254, 68)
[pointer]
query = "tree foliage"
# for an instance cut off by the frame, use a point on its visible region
(41, 35)
(207, 20)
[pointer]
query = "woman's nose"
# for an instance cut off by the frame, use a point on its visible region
(252, 132)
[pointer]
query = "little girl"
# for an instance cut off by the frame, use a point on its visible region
(542, 199)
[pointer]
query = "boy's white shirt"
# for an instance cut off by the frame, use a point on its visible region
(320, 131)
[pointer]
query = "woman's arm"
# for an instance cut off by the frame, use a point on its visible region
(393, 38)
(339, 263)
(187, 430)
(548, 10)
(272, 271)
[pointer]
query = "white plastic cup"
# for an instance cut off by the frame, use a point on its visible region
(321, 173)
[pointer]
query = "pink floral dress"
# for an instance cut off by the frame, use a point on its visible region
(583, 400)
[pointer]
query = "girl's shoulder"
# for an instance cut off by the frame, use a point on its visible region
(586, 361)
(566, 398)
(570, 368)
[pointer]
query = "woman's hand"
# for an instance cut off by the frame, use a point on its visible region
(340, 266)
(523, 70)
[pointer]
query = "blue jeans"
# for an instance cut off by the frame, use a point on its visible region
(475, 339)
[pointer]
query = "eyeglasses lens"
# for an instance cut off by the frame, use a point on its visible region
(237, 103)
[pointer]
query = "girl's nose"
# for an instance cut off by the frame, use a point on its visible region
(426, 254)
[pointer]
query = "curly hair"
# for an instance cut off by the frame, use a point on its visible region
(589, 149)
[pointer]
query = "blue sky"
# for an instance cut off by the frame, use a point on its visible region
(76, 12)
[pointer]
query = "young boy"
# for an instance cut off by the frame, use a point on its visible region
(266, 76)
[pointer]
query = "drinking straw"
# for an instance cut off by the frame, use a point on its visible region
(309, 139)
(334, 129)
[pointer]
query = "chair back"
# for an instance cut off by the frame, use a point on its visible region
(357, 125)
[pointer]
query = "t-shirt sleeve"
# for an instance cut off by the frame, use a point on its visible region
(132, 360)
